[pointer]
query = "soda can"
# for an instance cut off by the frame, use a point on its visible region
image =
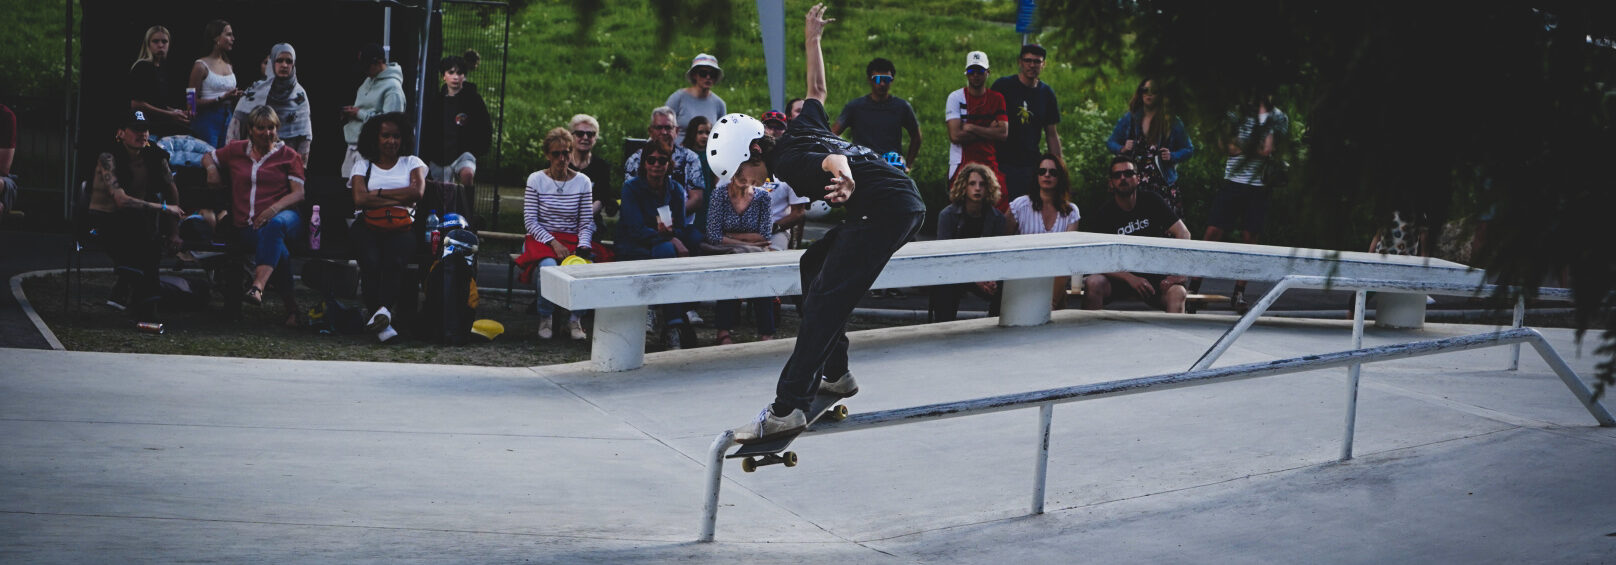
(149, 327)
(190, 101)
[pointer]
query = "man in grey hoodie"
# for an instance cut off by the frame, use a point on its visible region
(382, 92)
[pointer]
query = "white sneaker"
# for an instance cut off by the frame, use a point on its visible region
(577, 330)
(387, 334)
(693, 318)
(380, 321)
(544, 328)
(843, 387)
(767, 426)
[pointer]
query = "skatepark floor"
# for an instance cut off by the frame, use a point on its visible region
(142, 458)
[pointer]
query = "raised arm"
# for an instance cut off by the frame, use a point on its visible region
(813, 28)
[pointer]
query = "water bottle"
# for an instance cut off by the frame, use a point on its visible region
(314, 228)
(432, 224)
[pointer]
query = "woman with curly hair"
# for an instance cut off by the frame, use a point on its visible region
(387, 180)
(970, 213)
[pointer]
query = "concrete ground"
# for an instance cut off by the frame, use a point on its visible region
(131, 459)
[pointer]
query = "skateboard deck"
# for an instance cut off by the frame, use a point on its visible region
(774, 451)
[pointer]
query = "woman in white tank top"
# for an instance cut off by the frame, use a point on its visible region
(215, 83)
(1053, 212)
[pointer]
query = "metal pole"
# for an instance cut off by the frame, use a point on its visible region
(1359, 303)
(69, 196)
(772, 22)
(1520, 318)
(715, 477)
(1040, 470)
(1224, 343)
(1569, 377)
(499, 139)
(425, 40)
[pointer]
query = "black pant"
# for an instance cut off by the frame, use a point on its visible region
(382, 257)
(130, 239)
(837, 271)
(945, 300)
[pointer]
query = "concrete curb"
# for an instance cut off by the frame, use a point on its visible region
(28, 308)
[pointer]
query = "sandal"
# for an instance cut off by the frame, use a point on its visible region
(255, 296)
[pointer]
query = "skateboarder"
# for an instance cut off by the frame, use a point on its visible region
(883, 211)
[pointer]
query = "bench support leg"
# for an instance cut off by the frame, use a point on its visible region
(1400, 310)
(1026, 302)
(619, 339)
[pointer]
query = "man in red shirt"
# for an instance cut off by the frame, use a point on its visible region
(977, 121)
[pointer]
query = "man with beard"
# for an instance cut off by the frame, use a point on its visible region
(1130, 212)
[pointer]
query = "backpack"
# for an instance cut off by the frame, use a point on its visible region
(451, 291)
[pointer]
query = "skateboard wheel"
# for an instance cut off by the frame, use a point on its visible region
(789, 458)
(749, 464)
(839, 413)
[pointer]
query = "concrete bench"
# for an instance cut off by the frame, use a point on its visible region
(620, 292)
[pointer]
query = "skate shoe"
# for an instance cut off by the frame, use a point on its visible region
(768, 427)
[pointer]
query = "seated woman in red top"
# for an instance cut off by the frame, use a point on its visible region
(266, 183)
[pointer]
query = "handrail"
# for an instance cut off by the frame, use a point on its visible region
(1363, 285)
(1046, 399)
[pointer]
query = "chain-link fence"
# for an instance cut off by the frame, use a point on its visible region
(483, 27)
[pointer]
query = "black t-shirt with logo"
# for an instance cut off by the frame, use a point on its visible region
(878, 189)
(1150, 217)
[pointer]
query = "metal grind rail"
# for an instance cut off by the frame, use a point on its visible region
(1362, 286)
(1045, 400)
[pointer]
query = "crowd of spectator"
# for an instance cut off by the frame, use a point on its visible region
(1006, 176)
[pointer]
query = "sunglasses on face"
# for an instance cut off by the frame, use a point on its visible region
(1043, 171)
(581, 133)
(976, 71)
(880, 79)
(1123, 174)
(657, 160)
(706, 73)
(558, 153)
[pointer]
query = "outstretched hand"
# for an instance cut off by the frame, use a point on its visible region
(814, 27)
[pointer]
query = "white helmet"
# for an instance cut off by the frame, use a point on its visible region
(818, 209)
(730, 143)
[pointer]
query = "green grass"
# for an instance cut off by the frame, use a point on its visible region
(618, 72)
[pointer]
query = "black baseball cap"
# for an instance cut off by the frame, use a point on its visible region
(370, 53)
(136, 120)
(1033, 48)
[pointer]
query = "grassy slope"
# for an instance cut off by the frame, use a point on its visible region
(618, 73)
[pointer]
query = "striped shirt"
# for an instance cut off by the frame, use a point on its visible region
(549, 206)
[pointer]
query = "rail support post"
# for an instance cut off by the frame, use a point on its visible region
(1359, 303)
(1400, 310)
(1520, 319)
(715, 479)
(1040, 471)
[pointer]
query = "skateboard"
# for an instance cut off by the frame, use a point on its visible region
(773, 451)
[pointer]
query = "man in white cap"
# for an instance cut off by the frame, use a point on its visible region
(976, 117)
(883, 211)
(698, 99)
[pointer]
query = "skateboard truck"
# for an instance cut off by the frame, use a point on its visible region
(756, 456)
